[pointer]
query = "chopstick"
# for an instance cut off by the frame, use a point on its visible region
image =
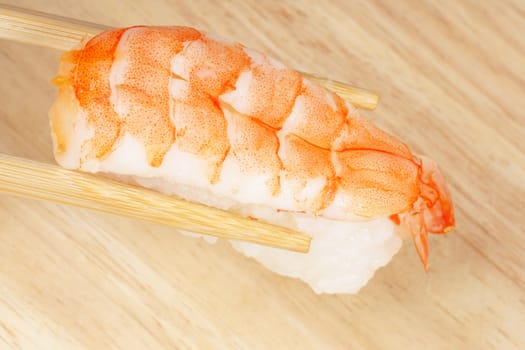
(42, 29)
(37, 180)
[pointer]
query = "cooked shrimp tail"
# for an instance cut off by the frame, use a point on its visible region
(432, 212)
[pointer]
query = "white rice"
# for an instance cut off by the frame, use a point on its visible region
(343, 255)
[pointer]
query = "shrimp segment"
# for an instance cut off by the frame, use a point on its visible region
(142, 92)
(305, 164)
(267, 91)
(178, 91)
(90, 80)
(201, 126)
(203, 64)
(318, 116)
(254, 148)
(379, 182)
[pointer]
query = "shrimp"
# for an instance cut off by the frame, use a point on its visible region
(238, 128)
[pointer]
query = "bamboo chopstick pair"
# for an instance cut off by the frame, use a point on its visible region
(49, 182)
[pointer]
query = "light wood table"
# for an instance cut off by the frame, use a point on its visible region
(451, 78)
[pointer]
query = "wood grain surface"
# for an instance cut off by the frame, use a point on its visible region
(452, 80)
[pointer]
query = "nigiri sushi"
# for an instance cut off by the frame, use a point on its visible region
(193, 115)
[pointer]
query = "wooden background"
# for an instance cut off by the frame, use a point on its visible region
(451, 77)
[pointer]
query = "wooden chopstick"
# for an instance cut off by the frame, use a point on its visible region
(32, 179)
(42, 29)
(358, 97)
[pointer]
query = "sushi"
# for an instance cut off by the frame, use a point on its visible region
(196, 116)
